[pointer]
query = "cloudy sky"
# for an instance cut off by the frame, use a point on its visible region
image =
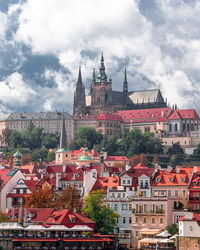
(42, 43)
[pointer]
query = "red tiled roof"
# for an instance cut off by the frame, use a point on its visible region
(117, 158)
(111, 117)
(172, 178)
(3, 177)
(141, 115)
(183, 114)
(106, 182)
(63, 218)
(40, 215)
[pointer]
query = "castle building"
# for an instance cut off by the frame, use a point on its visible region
(103, 99)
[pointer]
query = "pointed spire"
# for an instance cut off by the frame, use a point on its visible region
(125, 84)
(93, 75)
(63, 139)
(79, 82)
(102, 75)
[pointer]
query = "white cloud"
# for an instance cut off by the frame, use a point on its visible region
(15, 92)
(166, 52)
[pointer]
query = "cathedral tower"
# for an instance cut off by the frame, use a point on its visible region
(100, 89)
(79, 107)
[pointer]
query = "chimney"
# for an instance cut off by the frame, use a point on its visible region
(195, 169)
(178, 169)
(169, 169)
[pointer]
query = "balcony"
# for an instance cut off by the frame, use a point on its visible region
(158, 211)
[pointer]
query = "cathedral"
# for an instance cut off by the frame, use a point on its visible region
(103, 99)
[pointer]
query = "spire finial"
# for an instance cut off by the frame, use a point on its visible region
(102, 77)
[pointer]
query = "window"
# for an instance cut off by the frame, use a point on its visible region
(136, 219)
(136, 234)
(124, 220)
(130, 220)
(115, 206)
(124, 182)
(147, 129)
(170, 127)
(176, 127)
(153, 220)
(130, 207)
(176, 193)
(170, 179)
(169, 193)
(145, 220)
(129, 182)
(145, 208)
(124, 206)
(161, 220)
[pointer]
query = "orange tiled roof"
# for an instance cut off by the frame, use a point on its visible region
(106, 182)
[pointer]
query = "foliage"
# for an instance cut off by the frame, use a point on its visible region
(197, 150)
(172, 229)
(86, 135)
(177, 159)
(134, 160)
(15, 139)
(175, 149)
(41, 198)
(155, 160)
(105, 217)
(26, 158)
(50, 140)
(4, 218)
(69, 199)
(143, 159)
(51, 156)
(5, 136)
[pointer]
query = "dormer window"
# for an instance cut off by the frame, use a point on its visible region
(170, 179)
(182, 180)
(158, 180)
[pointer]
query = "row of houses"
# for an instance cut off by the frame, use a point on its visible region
(169, 124)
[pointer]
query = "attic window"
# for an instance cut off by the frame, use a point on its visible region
(170, 179)
(158, 180)
(182, 180)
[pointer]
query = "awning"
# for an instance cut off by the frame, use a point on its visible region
(164, 234)
(81, 228)
(34, 239)
(90, 240)
(35, 228)
(150, 231)
(57, 228)
(10, 226)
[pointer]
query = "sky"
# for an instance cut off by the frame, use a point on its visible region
(42, 44)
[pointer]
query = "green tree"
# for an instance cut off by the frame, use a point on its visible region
(15, 139)
(177, 159)
(87, 135)
(50, 140)
(172, 229)
(105, 217)
(4, 217)
(175, 149)
(51, 156)
(197, 150)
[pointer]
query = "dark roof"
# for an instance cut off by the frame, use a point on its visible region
(117, 97)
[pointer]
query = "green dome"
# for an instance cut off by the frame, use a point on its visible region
(17, 155)
(85, 149)
(85, 158)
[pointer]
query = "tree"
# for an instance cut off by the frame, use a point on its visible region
(172, 229)
(51, 156)
(105, 217)
(143, 159)
(197, 150)
(134, 160)
(41, 198)
(4, 218)
(177, 159)
(87, 135)
(175, 149)
(69, 199)
(155, 160)
(15, 139)
(5, 136)
(50, 141)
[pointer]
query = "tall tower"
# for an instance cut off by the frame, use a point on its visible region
(100, 89)
(79, 107)
(125, 83)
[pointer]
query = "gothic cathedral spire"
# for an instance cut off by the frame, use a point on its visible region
(125, 83)
(102, 77)
(79, 97)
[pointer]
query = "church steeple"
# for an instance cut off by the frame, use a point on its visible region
(102, 77)
(125, 83)
(79, 96)
(93, 75)
(63, 138)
